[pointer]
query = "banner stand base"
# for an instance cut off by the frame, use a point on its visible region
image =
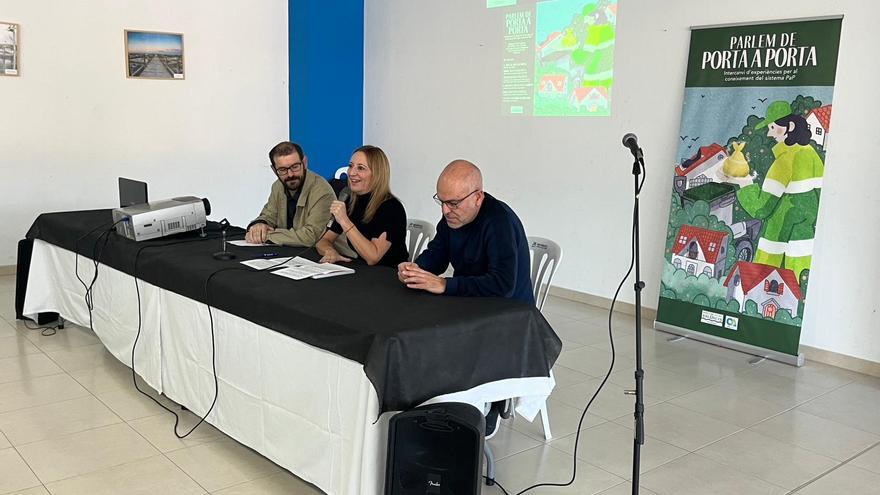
(798, 360)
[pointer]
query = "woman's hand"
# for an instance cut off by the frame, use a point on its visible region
(338, 210)
(332, 256)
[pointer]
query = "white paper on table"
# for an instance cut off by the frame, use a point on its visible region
(264, 263)
(244, 243)
(313, 270)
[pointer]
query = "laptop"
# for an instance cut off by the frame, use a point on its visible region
(131, 192)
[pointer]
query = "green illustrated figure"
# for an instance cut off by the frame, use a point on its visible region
(788, 199)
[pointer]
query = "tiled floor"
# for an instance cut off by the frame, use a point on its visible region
(71, 423)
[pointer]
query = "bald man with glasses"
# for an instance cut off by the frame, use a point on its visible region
(479, 235)
(298, 208)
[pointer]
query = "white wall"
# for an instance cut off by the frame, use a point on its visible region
(432, 78)
(72, 122)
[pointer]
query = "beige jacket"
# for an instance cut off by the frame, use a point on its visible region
(312, 212)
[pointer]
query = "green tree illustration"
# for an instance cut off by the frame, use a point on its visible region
(732, 305)
(784, 316)
(703, 289)
(751, 308)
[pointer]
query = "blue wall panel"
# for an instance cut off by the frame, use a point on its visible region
(326, 80)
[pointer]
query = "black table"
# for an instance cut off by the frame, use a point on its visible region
(413, 345)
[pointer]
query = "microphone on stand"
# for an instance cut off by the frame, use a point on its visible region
(631, 142)
(223, 254)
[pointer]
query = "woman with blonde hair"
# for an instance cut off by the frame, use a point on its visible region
(374, 221)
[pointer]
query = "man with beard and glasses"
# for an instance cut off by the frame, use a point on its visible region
(298, 208)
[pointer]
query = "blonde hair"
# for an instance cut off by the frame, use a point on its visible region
(380, 184)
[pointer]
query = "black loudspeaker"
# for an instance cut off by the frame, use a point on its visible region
(435, 449)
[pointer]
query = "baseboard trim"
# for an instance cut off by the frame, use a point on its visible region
(7, 269)
(850, 363)
(814, 354)
(648, 314)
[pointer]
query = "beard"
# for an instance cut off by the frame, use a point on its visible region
(294, 183)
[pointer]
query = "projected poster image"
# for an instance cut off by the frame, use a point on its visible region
(574, 57)
(558, 57)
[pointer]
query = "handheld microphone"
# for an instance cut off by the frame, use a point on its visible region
(343, 196)
(631, 142)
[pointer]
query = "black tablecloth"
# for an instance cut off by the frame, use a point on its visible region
(413, 345)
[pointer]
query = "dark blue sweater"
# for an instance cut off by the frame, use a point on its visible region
(490, 255)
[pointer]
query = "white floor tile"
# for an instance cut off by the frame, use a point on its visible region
(696, 475)
(682, 427)
(610, 447)
(870, 460)
(546, 464)
(26, 366)
(768, 459)
(84, 452)
(277, 484)
(38, 391)
(154, 475)
(855, 405)
(56, 419)
(222, 464)
(819, 435)
(14, 472)
(845, 480)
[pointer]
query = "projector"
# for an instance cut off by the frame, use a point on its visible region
(157, 219)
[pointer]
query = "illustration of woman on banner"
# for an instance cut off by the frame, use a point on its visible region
(788, 200)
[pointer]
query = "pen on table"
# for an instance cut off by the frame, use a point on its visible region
(266, 255)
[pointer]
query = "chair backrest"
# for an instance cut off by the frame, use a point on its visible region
(418, 234)
(546, 256)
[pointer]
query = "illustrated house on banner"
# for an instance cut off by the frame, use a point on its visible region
(819, 120)
(698, 250)
(770, 287)
(700, 168)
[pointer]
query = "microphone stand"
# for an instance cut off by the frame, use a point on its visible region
(223, 254)
(639, 415)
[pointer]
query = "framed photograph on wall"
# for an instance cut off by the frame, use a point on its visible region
(10, 41)
(153, 55)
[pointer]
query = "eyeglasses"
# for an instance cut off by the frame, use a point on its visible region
(296, 167)
(453, 203)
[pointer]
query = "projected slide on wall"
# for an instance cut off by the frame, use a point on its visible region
(558, 57)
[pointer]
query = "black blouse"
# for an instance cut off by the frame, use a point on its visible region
(390, 218)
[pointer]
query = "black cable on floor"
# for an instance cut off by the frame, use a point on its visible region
(629, 270)
(46, 331)
(496, 484)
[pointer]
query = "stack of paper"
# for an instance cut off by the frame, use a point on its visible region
(271, 263)
(298, 268)
(317, 270)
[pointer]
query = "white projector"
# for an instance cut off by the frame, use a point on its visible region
(161, 218)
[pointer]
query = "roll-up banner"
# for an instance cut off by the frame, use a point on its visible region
(746, 187)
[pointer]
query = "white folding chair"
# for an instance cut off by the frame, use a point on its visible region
(418, 233)
(545, 257)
